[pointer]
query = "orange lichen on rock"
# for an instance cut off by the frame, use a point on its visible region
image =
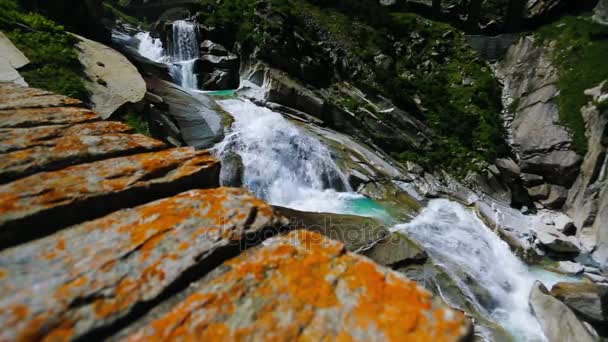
(12, 139)
(303, 286)
(32, 117)
(29, 202)
(73, 149)
(123, 259)
(13, 96)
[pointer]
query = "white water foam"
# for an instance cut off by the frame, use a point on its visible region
(150, 47)
(283, 164)
(459, 241)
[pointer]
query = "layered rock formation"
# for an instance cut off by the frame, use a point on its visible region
(543, 146)
(120, 246)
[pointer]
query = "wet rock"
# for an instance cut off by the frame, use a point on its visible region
(219, 80)
(31, 117)
(21, 138)
(569, 268)
(72, 149)
(358, 233)
(558, 242)
(396, 250)
(13, 96)
(126, 262)
(232, 171)
(589, 301)
(111, 83)
(42, 203)
(199, 124)
(305, 286)
(558, 322)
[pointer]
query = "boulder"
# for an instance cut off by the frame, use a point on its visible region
(232, 171)
(589, 301)
(126, 262)
(55, 154)
(200, 125)
(111, 79)
(395, 251)
(11, 59)
(219, 80)
(557, 321)
(211, 48)
(358, 233)
(600, 13)
(304, 286)
(44, 202)
(569, 268)
(557, 242)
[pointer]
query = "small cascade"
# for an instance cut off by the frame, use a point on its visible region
(482, 265)
(184, 51)
(283, 164)
(150, 47)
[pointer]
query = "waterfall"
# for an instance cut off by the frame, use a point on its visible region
(284, 164)
(478, 259)
(184, 51)
(151, 48)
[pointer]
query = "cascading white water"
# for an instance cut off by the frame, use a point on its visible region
(150, 47)
(458, 240)
(283, 164)
(184, 52)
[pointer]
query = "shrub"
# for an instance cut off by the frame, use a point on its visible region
(54, 63)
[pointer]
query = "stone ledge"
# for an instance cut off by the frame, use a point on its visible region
(42, 203)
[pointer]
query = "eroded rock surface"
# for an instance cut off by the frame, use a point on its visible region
(111, 79)
(558, 322)
(13, 96)
(305, 286)
(43, 202)
(89, 276)
(72, 149)
(543, 145)
(31, 117)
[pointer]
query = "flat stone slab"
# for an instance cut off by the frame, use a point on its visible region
(13, 96)
(92, 275)
(70, 150)
(44, 202)
(31, 117)
(14, 139)
(303, 286)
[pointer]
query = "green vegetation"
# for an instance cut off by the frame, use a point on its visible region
(137, 121)
(117, 9)
(580, 55)
(430, 61)
(458, 93)
(54, 63)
